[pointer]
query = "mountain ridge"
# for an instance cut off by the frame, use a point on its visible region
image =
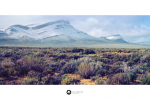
(55, 32)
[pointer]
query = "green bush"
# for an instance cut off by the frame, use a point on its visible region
(93, 78)
(100, 82)
(108, 81)
(137, 70)
(30, 63)
(145, 67)
(70, 67)
(131, 76)
(123, 78)
(146, 80)
(86, 70)
(101, 72)
(33, 73)
(67, 81)
(29, 81)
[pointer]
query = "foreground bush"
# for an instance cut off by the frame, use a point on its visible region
(7, 67)
(101, 72)
(86, 70)
(67, 81)
(142, 77)
(7, 63)
(146, 80)
(53, 80)
(33, 73)
(100, 82)
(93, 78)
(30, 63)
(70, 67)
(123, 78)
(29, 81)
(3, 72)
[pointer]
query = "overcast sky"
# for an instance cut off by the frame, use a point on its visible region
(131, 28)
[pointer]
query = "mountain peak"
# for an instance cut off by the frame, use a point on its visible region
(52, 23)
(112, 37)
(62, 21)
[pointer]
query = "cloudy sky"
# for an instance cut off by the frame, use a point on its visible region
(132, 28)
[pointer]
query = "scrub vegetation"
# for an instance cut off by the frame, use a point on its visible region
(74, 66)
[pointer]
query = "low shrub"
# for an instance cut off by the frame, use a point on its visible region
(75, 50)
(70, 67)
(39, 55)
(33, 73)
(141, 77)
(62, 62)
(63, 56)
(29, 81)
(53, 80)
(7, 54)
(86, 70)
(137, 70)
(93, 78)
(46, 51)
(7, 63)
(67, 81)
(145, 68)
(3, 72)
(146, 79)
(100, 82)
(24, 65)
(108, 81)
(89, 51)
(102, 72)
(54, 66)
(123, 78)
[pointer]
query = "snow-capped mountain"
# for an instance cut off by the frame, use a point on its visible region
(59, 31)
(114, 38)
(49, 30)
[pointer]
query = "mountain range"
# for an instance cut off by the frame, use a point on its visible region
(56, 32)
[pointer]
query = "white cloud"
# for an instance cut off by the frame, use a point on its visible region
(98, 32)
(91, 21)
(105, 26)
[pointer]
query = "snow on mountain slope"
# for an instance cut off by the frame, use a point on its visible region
(59, 31)
(114, 37)
(59, 27)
